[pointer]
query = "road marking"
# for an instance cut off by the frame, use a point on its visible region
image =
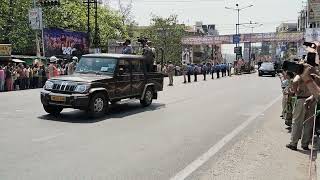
(187, 171)
(47, 138)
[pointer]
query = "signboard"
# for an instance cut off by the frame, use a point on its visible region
(5, 49)
(65, 43)
(314, 11)
(312, 34)
(255, 37)
(236, 39)
(35, 18)
(238, 50)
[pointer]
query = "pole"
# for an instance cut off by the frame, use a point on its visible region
(96, 33)
(88, 24)
(36, 33)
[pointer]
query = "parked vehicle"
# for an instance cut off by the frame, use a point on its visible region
(267, 68)
(101, 80)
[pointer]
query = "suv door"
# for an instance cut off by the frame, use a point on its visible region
(123, 80)
(138, 76)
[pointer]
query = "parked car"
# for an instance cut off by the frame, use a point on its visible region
(101, 80)
(267, 68)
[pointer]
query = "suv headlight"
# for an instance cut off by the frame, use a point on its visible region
(48, 85)
(82, 88)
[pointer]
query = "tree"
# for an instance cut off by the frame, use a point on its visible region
(166, 33)
(71, 15)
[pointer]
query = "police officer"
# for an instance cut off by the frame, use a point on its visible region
(218, 69)
(189, 72)
(170, 71)
(184, 70)
(302, 123)
(204, 70)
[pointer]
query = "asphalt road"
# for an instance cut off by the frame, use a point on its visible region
(132, 142)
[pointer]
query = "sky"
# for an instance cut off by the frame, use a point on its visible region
(270, 13)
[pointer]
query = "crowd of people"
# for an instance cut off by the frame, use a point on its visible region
(301, 94)
(188, 70)
(21, 76)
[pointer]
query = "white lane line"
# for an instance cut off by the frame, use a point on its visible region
(187, 171)
(47, 138)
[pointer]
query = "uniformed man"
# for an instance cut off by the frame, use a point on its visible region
(302, 123)
(184, 70)
(170, 71)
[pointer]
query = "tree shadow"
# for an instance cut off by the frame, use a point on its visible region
(116, 111)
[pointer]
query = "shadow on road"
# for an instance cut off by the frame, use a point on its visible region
(116, 111)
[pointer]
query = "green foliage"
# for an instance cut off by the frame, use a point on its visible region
(166, 33)
(71, 14)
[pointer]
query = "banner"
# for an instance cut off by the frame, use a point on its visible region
(314, 11)
(5, 49)
(65, 43)
(312, 34)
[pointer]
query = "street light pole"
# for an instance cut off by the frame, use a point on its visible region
(238, 9)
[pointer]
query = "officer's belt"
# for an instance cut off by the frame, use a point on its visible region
(301, 97)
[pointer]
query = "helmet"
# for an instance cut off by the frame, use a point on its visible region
(53, 59)
(74, 58)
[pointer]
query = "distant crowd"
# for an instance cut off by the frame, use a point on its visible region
(21, 76)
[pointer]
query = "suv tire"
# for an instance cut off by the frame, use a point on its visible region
(147, 99)
(53, 110)
(98, 105)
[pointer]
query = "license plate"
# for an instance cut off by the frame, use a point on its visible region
(58, 98)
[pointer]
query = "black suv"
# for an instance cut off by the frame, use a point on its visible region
(101, 79)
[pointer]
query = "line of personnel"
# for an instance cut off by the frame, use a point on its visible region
(188, 70)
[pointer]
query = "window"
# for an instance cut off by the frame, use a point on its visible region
(125, 66)
(137, 66)
(96, 65)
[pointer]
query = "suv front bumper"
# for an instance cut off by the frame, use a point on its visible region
(76, 101)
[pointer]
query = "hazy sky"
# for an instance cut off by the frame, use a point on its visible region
(268, 12)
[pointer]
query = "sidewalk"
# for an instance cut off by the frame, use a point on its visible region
(261, 154)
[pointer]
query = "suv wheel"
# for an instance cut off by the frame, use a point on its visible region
(98, 105)
(53, 110)
(147, 99)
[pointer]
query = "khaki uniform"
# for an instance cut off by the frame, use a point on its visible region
(170, 71)
(184, 72)
(302, 129)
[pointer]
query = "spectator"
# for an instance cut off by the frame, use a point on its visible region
(2, 79)
(189, 72)
(170, 71)
(184, 70)
(204, 70)
(195, 72)
(9, 81)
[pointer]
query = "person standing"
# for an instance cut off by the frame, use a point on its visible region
(184, 70)
(303, 110)
(195, 72)
(229, 69)
(204, 70)
(170, 71)
(127, 49)
(212, 71)
(35, 76)
(71, 66)
(2, 79)
(189, 72)
(9, 81)
(217, 69)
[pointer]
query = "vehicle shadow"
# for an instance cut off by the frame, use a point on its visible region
(116, 111)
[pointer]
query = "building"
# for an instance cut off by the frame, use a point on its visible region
(302, 21)
(287, 27)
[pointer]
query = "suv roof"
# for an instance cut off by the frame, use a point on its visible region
(117, 56)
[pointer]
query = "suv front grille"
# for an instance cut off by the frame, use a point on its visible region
(64, 86)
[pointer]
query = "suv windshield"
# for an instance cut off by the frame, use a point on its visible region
(267, 65)
(96, 65)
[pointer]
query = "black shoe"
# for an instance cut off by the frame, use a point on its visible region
(281, 116)
(294, 148)
(306, 148)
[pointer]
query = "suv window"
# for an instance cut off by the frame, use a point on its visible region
(125, 65)
(137, 66)
(96, 65)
